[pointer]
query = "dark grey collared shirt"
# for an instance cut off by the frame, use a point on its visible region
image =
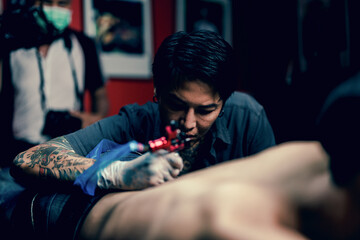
(243, 130)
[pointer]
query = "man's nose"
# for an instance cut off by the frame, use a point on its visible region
(190, 119)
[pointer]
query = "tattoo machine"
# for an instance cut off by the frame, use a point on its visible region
(175, 140)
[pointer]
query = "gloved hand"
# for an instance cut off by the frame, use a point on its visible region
(148, 170)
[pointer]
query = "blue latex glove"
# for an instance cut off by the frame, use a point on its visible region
(105, 152)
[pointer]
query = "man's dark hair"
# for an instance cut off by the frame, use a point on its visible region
(198, 55)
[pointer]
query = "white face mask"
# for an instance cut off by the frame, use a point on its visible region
(58, 16)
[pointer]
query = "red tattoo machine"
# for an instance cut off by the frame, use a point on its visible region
(175, 140)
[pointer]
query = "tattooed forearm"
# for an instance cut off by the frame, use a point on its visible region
(53, 159)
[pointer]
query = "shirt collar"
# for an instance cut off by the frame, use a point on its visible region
(220, 131)
(220, 136)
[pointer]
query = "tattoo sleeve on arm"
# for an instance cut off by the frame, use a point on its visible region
(54, 159)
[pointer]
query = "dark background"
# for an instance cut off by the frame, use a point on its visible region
(292, 53)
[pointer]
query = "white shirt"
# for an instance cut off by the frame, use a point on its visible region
(59, 88)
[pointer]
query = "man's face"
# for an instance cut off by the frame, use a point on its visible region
(55, 3)
(195, 106)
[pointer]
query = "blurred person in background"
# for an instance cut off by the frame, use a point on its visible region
(46, 70)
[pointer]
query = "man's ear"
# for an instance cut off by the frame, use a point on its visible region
(155, 98)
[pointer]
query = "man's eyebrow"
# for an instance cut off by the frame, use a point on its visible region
(176, 98)
(212, 105)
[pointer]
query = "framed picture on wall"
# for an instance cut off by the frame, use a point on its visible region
(214, 15)
(122, 30)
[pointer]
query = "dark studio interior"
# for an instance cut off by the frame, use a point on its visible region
(154, 108)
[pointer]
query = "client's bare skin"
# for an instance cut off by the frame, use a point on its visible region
(263, 197)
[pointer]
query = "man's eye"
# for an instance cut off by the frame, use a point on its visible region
(175, 105)
(204, 111)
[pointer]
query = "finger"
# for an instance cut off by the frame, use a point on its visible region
(175, 160)
(168, 176)
(174, 173)
(161, 152)
(156, 181)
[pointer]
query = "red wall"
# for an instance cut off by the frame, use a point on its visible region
(77, 18)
